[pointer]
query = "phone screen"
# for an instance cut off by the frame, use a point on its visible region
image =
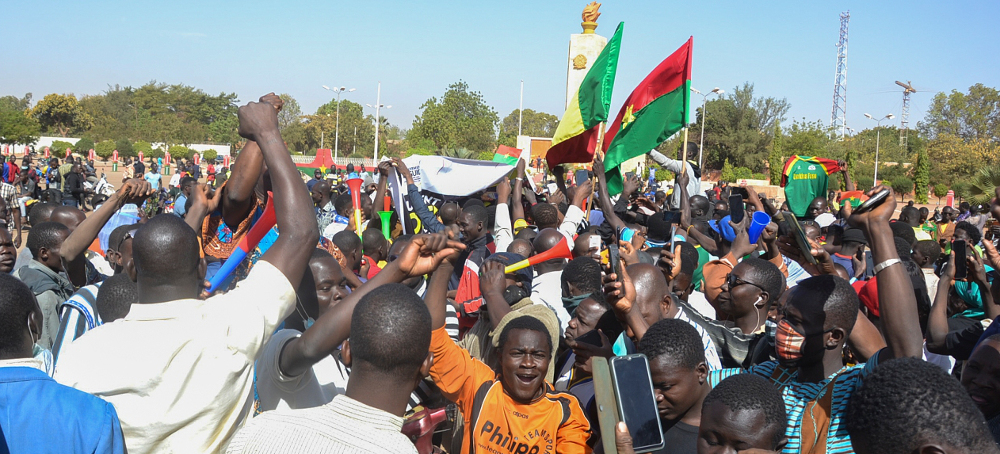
(736, 209)
(581, 176)
(961, 270)
(636, 402)
(673, 217)
(591, 337)
(613, 258)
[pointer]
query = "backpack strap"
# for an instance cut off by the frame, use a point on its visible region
(477, 407)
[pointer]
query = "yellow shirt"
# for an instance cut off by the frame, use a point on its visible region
(180, 373)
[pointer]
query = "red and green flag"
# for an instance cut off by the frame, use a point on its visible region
(507, 155)
(655, 110)
(575, 139)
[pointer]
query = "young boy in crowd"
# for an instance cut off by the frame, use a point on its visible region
(680, 381)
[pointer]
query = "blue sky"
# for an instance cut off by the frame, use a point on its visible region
(787, 49)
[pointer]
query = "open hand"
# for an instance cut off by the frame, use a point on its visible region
(741, 244)
(135, 190)
(425, 253)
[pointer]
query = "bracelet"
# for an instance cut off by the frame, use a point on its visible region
(885, 264)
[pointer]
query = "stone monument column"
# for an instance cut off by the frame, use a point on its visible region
(583, 50)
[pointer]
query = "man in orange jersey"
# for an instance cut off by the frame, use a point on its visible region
(514, 410)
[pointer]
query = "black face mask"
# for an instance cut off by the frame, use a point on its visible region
(514, 293)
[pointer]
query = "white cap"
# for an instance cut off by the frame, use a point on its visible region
(825, 219)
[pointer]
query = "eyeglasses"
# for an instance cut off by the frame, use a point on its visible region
(732, 281)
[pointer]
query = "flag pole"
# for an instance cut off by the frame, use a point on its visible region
(597, 149)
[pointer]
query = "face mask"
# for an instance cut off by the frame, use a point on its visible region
(572, 302)
(788, 342)
(770, 330)
(514, 293)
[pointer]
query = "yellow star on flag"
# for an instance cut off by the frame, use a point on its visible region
(323, 169)
(628, 117)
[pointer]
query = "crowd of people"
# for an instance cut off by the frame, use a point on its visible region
(844, 330)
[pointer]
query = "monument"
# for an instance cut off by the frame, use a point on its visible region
(583, 49)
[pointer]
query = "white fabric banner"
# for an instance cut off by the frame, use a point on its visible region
(453, 176)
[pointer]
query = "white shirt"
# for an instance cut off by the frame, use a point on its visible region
(342, 426)
(547, 289)
(180, 373)
(175, 180)
(317, 386)
(698, 301)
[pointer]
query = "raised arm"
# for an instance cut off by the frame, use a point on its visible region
(492, 284)
(293, 206)
(383, 181)
(239, 193)
(421, 256)
(437, 288)
(517, 208)
(134, 191)
(937, 320)
(898, 304)
(427, 219)
(203, 201)
(604, 199)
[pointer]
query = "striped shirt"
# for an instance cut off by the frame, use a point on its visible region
(798, 394)
(712, 359)
(9, 194)
(341, 426)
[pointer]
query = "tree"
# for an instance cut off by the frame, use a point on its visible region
(104, 149)
(14, 104)
(940, 191)
(83, 146)
(17, 128)
(142, 146)
(461, 153)
(921, 175)
(776, 158)
(741, 128)
(179, 151)
(460, 119)
(533, 124)
(357, 130)
(901, 185)
(58, 148)
(124, 148)
(975, 115)
(983, 185)
(956, 159)
(728, 174)
(210, 154)
(61, 113)
(290, 113)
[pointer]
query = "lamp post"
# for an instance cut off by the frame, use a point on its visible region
(378, 105)
(336, 134)
(704, 101)
(878, 137)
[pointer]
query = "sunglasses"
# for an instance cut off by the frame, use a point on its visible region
(732, 281)
(128, 235)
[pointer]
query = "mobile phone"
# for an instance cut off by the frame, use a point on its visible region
(736, 208)
(581, 176)
(615, 260)
(673, 217)
(592, 337)
(795, 229)
(673, 234)
(959, 248)
(636, 402)
(595, 242)
(872, 202)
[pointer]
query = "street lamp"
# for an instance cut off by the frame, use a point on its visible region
(878, 136)
(704, 100)
(378, 105)
(336, 139)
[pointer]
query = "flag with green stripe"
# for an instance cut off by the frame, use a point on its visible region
(575, 139)
(655, 110)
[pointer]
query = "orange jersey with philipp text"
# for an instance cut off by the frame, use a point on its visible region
(494, 422)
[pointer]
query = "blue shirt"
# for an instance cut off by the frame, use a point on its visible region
(39, 415)
(153, 179)
(179, 204)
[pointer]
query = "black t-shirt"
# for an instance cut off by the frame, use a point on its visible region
(680, 439)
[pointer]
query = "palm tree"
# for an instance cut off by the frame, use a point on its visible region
(461, 153)
(984, 184)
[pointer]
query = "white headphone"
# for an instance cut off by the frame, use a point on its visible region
(757, 303)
